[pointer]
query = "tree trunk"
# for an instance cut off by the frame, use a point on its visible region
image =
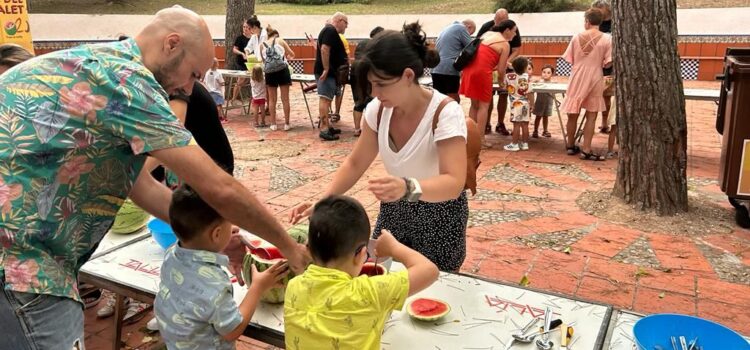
(238, 11)
(651, 173)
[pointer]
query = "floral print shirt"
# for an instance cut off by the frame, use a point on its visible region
(75, 128)
(195, 306)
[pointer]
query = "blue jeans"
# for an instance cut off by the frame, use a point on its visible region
(39, 322)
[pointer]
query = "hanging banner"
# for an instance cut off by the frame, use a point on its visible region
(14, 18)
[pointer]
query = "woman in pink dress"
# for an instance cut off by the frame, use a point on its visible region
(588, 52)
(476, 78)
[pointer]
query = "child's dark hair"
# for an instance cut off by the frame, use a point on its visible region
(338, 226)
(550, 67)
(375, 31)
(390, 52)
(594, 16)
(189, 215)
(520, 64)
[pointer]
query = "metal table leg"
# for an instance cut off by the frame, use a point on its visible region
(304, 96)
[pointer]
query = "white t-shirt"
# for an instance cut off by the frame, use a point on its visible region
(214, 82)
(419, 157)
(253, 45)
(259, 89)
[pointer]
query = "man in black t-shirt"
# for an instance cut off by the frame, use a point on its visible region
(502, 100)
(606, 27)
(330, 55)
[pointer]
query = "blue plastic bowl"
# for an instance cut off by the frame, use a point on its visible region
(162, 233)
(658, 329)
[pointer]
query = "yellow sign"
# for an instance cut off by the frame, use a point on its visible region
(743, 185)
(14, 18)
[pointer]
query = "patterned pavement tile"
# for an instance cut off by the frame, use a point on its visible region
(638, 253)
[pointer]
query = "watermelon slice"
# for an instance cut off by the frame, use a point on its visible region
(426, 309)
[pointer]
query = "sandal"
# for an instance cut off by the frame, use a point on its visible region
(573, 150)
(335, 117)
(591, 156)
(604, 130)
(612, 154)
(546, 134)
(357, 132)
(535, 134)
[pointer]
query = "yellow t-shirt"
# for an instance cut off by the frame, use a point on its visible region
(346, 44)
(328, 309)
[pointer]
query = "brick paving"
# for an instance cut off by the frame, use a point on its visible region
(524, 220)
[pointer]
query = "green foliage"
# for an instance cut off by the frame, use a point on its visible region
(528, 6)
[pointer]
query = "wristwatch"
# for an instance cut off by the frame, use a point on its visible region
(413, 189)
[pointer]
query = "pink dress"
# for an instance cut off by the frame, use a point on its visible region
(588, 53)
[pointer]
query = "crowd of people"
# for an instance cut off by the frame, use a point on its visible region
(114, 113)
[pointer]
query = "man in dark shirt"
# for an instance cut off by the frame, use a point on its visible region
(606, 27)
(502, 100)
(329, 57)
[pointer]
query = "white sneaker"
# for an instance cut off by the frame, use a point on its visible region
(135, 312)
(512, 147)
(273, 127)
(524, 146)
(109, 308)
(153, 325)
(287, 127)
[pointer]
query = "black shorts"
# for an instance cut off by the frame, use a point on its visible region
(361, 99)
(446, 84)
(280, 78)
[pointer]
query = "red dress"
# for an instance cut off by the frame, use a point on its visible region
(476, 78)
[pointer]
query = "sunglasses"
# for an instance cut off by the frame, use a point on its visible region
(356, 251)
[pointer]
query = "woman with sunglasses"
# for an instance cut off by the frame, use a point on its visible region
(422, 199)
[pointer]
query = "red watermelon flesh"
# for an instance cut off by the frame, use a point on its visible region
(424, 307)
(269, 253)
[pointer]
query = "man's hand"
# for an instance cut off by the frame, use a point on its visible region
(236, 251)
(323, 76)
(298, 258)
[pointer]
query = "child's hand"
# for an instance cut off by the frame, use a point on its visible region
(270, 278)
(386, 244)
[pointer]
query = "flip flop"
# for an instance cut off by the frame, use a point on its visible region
(573, 150)
(546, 134)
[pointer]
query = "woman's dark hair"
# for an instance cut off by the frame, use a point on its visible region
(338, 226)
(389, 53)
(503, 26)
(271, 32)
(253, 22)
(375, 31)
(594, 16)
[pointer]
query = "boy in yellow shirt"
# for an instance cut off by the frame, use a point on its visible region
(330, 306)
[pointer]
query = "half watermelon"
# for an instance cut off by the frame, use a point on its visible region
(426, 309)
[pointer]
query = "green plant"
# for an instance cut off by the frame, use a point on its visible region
(528, 6)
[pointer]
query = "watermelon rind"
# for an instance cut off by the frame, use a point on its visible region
(430, 318)
(130, 218)
(274, 295)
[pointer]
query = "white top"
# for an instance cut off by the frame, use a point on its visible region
(253, 46)
(214, 82)
(419, 157)
(259, 89)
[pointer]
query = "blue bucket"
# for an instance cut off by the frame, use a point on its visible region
(162, 233)
(657, 330)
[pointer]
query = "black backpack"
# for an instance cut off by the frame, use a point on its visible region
(467, 55)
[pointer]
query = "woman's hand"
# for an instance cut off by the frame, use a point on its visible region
(388, 189)
(300, 212)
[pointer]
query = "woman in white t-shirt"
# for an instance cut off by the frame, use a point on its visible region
(259, 35)
(422, 199)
